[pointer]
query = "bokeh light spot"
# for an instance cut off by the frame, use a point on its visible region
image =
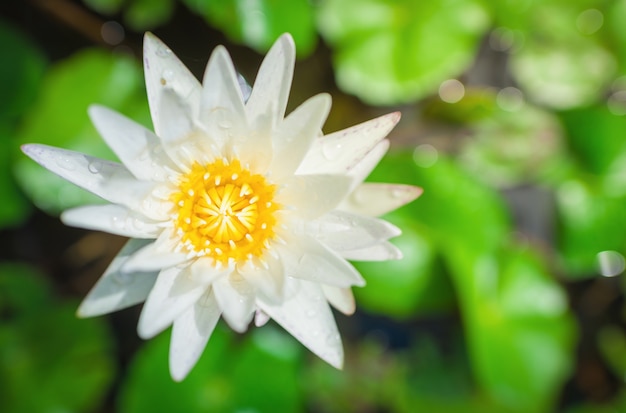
(589, 21)
(112, 33)
(451, 91)
(425, 155)
(610, 263)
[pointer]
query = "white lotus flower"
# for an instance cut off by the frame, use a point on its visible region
(233, 210)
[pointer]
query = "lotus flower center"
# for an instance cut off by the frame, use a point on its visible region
(224, 211)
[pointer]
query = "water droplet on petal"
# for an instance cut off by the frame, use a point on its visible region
(95, 167)
(332, 150)
(66, 164)
(164, 52)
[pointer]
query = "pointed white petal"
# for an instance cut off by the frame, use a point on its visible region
(190, 333)
(366, 165)
(314, 195)
(116, 290)
(109, 180)
(206, 270)
(376, 199)
(158, 255)
(342, 231)
(260, 318)
(296, 134)
(308, 259)
(138, 148)
(340, 298)
(266, 277)
(114, 219)
(380, 252)
(273, 82)
(172, 294)
(165, 73)
(236, 300)
(307, 316)
(340, 151)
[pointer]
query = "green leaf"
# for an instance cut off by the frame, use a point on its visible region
(46, 349)
(59, 118)
(518, 327)
(14, 207)
(105, 6)
(21, 78)
(148, 14)
(387, 52)
(258, 24)
(259, 374)
(414, 281)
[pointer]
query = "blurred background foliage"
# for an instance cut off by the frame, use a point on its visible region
(510, 297)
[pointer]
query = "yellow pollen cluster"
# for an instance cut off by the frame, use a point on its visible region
(224, 211)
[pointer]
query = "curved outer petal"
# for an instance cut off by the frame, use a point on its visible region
(307, 259)
(160, 254)
(366, 165)
(296, 134)
(165, 73)
(307, 316)
(375, 199)
(340, 298)
(236, 300)
(138, 148)
(338, 152)
(172, 294)
(266, 277)
(343, 231)
(273, 82)
(109, 180)
(380, 252)
(114, 219)
(314, 195)
(222, 113)
(190, 333)
(116, 289)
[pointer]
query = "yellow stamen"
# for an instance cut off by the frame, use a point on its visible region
(234, 212)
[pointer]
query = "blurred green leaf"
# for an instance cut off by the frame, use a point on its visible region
(612, 342)
(259, 374)
(20, 80)
(259, 23)
(387, 52)
(14, 207)
(615, 23)
(519, 331)
(45, 349)
(588, 221)
(59, 118)
(105, 6)
(413, 281)
(148, 14)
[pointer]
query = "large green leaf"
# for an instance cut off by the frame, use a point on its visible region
(59, 118)
(517, 323)
(387, 52)
(258, 374)
(258, 23)
(50, 361)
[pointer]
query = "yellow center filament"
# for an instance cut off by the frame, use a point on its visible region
(225, 212)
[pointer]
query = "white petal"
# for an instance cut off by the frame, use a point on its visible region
(375, 199)
(172, 294)
(236, 300)
(342, 231)
(266, 277)
(160, 254)
(222, 109)
(340, 298)
(366, 165)
(296, 134)
(260, 318)
(308, 259)
(307, 316)
(314, 195)
(206, 270)
(340, 151)
(190, 333)
(273, 82)
(137, 147)
(116, 290)
(380, 252)
(177, 124)
(114, 219)
(164, 72)
(109, 180)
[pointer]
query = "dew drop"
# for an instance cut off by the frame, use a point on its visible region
(332, 150)
(94, 167)
(166, 77)
(164, 52)
(66, 163)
